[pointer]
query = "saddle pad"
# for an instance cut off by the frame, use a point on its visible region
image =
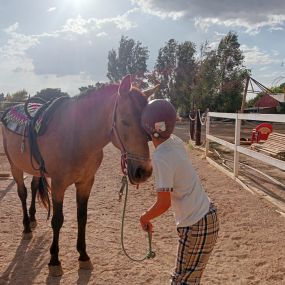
(16, 120)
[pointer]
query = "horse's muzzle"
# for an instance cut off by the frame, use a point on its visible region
(139, 172)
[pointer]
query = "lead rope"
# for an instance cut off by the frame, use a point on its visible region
(150, 254)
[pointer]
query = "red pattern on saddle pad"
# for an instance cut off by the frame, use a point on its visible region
(15, 119)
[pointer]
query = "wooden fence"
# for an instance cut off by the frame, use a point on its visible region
(237, 149)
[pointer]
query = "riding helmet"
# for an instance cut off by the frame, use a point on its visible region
(159, 118)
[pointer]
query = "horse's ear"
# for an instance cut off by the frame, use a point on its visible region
(125, 85)
(147, 93)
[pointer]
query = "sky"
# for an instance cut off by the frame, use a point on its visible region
(65, 43)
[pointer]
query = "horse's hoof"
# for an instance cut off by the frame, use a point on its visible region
(86, 265)
(27, 236)
(33, 224)
(55, 271)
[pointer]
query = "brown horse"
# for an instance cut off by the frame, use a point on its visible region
(72, 150)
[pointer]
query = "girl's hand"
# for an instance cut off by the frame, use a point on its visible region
(146, 224)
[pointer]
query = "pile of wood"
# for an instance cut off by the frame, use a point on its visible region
(273, 146)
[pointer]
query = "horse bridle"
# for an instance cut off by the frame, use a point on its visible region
(125, 155)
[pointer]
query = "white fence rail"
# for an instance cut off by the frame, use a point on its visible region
(236, 146)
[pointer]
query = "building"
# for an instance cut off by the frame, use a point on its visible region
(270, 103)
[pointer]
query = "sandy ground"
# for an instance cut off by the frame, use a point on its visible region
(250, 249)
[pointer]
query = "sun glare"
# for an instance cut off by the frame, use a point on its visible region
(78, 3)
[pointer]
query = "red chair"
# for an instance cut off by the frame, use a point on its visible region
(261, 132)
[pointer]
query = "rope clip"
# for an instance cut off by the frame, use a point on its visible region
(124, 182)
(150, 255)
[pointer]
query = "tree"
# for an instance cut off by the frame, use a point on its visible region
(17, 97)
(205, 89)
(175, 69)
(184, 76)
(278, 89)
(14, 99)
(130, 58)
(97, 85)
(165, 69)
(231, 74)
(49, 94)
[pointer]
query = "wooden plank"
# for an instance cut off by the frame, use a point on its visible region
(271, 146)
(263, 117)
(251, 117)
(277, 134)
(222, 115)
(262, 157)
(273, 153)
(274, 146)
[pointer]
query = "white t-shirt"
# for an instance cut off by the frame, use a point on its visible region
(174, 172)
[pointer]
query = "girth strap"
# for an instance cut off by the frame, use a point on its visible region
(45, 111)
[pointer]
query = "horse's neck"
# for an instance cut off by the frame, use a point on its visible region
(92, 116)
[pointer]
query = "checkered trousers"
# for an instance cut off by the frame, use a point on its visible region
(195, 246)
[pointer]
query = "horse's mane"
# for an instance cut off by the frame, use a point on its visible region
(108, 89)
(93, 91)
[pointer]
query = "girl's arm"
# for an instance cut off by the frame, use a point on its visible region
(162, 204)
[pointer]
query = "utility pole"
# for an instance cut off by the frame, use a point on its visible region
(198, 128)
(244, 95)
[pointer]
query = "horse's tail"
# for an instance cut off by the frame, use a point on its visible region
(43, 194)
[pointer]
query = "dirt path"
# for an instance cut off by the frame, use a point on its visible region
(250, 249)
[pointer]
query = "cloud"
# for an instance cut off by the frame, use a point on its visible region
(253, 55)
(18, 65)
(13, 53)
(252, 15)
(82, 26)
(159, 9)
(29, 53)
(12, 29)
(102, 34)
(51, 9)
(76, 25)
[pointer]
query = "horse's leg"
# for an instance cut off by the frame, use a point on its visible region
(32, 210)
(57, 190)
(22, 193)
(82, 195)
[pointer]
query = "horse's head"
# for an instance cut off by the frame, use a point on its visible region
(127, 132)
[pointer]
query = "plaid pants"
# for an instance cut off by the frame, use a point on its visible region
(195, 246)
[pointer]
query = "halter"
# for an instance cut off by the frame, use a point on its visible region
(125, 155)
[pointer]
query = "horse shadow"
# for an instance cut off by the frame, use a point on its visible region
(28, 261)
(8, 188)
(83, 277)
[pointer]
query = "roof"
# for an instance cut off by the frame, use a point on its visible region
(280, 97)
(267, 101)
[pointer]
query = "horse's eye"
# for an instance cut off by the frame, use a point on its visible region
(125, 123)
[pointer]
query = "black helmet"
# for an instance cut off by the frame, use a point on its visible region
(159, 118)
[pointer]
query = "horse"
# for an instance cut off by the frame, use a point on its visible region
(71, 148)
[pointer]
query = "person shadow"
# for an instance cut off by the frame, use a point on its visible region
(28, 261)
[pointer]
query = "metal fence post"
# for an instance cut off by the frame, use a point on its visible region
(207, 133)
(237, 143)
